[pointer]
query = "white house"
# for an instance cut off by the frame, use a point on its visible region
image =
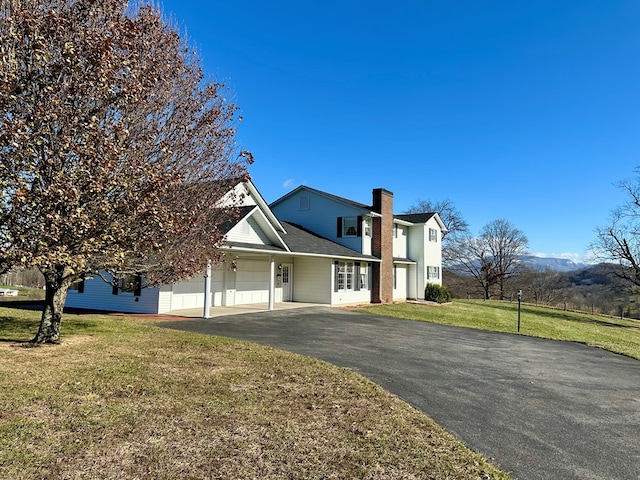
(308, 246)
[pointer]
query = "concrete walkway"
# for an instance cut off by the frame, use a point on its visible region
(539, 409)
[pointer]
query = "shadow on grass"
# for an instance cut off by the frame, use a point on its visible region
(22, 304)
(23, 329)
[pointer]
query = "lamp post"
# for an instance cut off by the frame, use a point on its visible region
(519, 300)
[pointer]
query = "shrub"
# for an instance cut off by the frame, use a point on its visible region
(436, 293)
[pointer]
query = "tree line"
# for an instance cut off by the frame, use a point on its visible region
(489, 264)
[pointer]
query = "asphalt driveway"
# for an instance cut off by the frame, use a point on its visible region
(539, 409)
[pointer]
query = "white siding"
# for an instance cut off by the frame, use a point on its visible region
(239, 196)
(400, 290)
(164, 299)
(400, 240)
(217, 277)
(188, 294)
(97, 296)
(248, 231)
(312, 280)
(252, 282)
(433, 250)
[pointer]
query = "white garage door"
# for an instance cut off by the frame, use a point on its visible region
(252, 282)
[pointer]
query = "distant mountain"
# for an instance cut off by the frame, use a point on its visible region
(543, 264)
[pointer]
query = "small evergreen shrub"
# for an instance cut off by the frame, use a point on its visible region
(436, 293)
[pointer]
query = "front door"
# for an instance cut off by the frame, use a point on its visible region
(287, 290)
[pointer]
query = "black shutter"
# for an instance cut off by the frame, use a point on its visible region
(339, 231)
(356, 272)
(335, 276)
(359, 225)
(114, 288)
(81, 284)
(137, 286)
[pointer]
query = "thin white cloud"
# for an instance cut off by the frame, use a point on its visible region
(287, 183)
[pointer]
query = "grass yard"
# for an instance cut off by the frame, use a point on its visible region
(614, 334)
(121, 399)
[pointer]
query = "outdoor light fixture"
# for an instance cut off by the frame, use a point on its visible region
(280, 267)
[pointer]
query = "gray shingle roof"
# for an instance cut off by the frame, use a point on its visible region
(301, 240)
(415, 217)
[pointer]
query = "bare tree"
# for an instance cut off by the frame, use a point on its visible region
(618, 244)
(456, 225)
(115, 152)
(492, 257)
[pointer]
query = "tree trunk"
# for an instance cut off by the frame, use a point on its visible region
(57, 285)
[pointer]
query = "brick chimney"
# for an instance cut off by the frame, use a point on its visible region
(382, 246)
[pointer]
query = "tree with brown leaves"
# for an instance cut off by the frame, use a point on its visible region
(115, 152)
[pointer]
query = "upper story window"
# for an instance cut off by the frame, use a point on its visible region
(304, 202)
(349, 227)
(433, 235)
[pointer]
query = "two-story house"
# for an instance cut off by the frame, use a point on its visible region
(308, 246)
(408, 246)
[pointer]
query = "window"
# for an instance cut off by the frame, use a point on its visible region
(433, 235)
(77, 286)
(304, 202)
(433, 273)
(350, 226)
(367, 227)
(341, 270)
(364, 276)
(129, 284)
(345, 276)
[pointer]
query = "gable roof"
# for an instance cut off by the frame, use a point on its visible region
(417, 218)
(324, 194)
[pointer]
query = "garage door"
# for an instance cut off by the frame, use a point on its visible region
(252, 282)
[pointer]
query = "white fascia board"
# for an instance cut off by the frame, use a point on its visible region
(403, 222)
(272, 232)
(405, 262)
(443, 227)
(295, 254)
(264, 206)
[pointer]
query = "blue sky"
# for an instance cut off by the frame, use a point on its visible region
(524, 111)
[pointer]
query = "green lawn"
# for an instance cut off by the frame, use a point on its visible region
(614, 334)
(122, 399)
